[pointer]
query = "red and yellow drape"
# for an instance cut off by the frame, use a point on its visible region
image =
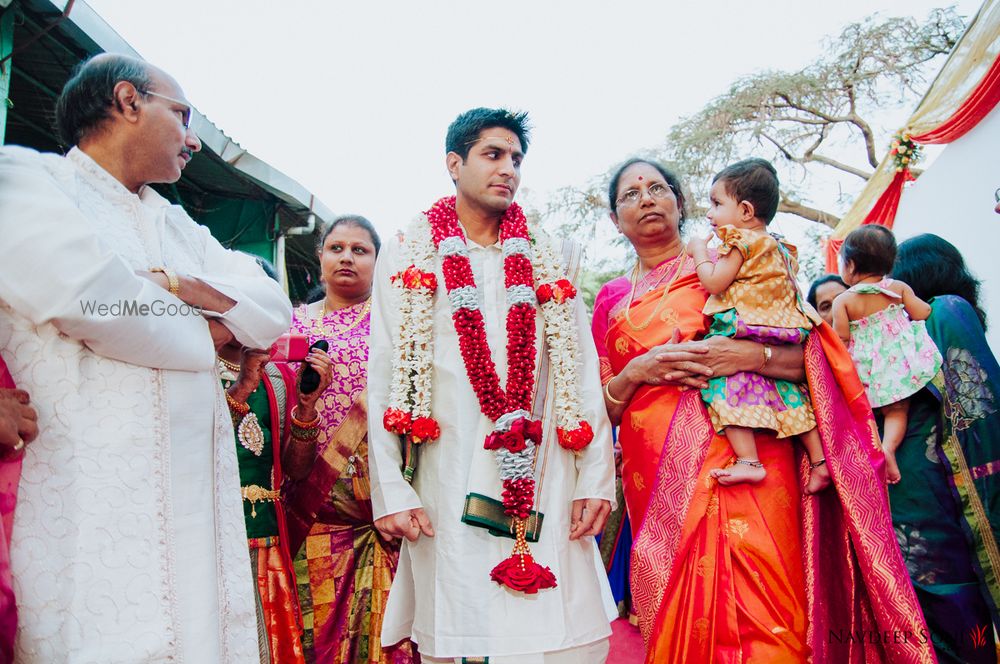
(964, 93)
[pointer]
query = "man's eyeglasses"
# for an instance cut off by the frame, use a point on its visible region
(656, 190)
(184, 115)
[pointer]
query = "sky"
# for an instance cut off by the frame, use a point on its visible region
(352, 99)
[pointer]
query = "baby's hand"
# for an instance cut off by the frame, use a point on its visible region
(696, 244)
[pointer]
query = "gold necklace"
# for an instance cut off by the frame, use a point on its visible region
(320, 328)
(681, 259)
(232, 366)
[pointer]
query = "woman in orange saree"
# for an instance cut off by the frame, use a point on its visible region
(746, 573)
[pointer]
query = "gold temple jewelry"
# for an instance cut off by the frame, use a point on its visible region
(258, 494)
(607, 393)
(681, 259)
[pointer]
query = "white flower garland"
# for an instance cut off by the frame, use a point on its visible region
(560, 335)
(412, 361)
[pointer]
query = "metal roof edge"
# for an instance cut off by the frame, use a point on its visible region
(262, 174)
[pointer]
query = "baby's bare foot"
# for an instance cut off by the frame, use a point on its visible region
(819, 477)
(743, 471)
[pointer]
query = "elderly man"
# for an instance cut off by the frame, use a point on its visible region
(129, 543)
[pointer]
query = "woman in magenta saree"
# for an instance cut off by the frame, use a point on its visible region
(344, 566)
(746, 573)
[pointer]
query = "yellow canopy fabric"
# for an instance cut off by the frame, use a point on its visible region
(965, 67)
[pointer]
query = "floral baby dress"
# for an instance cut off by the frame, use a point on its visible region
(894, 355)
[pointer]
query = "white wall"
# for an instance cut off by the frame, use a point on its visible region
(954, 199)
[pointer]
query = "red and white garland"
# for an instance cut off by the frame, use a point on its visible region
(515, 436)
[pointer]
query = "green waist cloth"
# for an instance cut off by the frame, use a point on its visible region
(486, 512)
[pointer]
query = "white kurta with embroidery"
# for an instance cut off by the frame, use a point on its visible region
(442, 595)
(129, 543)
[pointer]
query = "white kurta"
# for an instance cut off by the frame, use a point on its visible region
(129, 543)
(442, 595)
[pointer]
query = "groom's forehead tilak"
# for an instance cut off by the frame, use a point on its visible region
(502, 143)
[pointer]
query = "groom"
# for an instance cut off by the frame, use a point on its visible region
(490, 448)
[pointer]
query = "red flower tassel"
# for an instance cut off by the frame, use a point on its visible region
(520, 572)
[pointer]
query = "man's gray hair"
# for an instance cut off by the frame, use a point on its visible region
(88, 96)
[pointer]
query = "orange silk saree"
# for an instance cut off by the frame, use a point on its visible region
(756, 573)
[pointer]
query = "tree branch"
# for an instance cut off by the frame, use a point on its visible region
(810, 155)
(869, 135)
(847, 168)
(781, 148)
(812, 111)
(808, 213)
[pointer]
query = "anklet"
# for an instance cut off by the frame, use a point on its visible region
(748, 462)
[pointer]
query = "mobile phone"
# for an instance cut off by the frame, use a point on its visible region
(310, 377)
(290, 348)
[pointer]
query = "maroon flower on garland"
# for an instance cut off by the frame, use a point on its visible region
(530, 429)
(500, 440)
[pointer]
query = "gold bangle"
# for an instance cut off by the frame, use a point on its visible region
(311, 424)
(767, 358)
(237, 407)
(700, 263)
(607, 393)
(173, 283)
